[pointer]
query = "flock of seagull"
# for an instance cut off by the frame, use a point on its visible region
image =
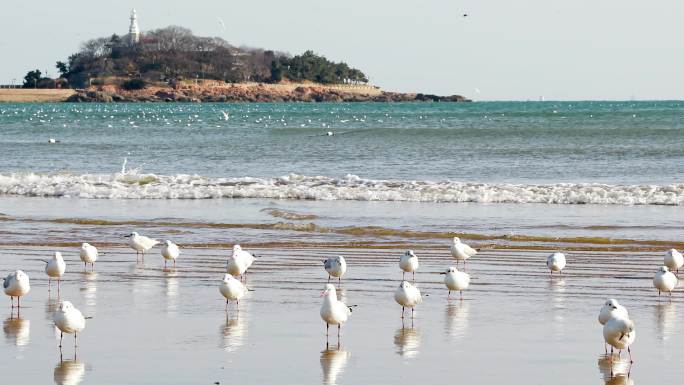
(618, 329)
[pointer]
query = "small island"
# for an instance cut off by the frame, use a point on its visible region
(173, 65)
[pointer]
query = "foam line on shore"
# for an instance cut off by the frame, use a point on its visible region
(130, 185)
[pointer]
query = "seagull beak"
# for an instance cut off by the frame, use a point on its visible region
(127, 236)
(442, 273)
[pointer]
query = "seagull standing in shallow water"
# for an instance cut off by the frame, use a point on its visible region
(333, 311)
(140, 243)
(16, 285)
(68, 320)
(170, 251)
(55, 268)
(665, 280)
(461, 251)
(239, 262)
(619, 332)
(409, 264)
(336, 267)
(88, 255)
(556, 262)
(407, 295)
(673, 260)
(611, 308)
(456, 280)
(232, 290)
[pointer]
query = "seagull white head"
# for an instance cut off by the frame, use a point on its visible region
(58, 255)
(65, 306)
(663, 269)
(612, 303)
(133, 234)
(329, 289)
(410, 253)
(227, 277)
(457, 240)
(85, 245)
(236, 248)
(21, 276)
(168, 243)
(404, 284)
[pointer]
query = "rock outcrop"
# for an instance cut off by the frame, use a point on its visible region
(254, 92)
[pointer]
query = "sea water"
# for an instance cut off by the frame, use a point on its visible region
(601, 181)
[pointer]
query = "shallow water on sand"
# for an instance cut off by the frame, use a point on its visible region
(515, 325)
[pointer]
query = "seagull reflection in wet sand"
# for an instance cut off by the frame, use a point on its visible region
(69, 372)
(456, 315)
(89, 288)
(407, 341)
(17, 330)
(333, 362)
(233, 333)
(666, 319)
(615, 371)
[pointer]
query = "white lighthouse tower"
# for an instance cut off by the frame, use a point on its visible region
(134, 30)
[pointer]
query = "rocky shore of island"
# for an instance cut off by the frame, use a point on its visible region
(257, 92)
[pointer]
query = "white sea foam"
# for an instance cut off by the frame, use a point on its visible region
(135, 185)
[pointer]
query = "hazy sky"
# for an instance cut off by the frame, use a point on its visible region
(504, 49)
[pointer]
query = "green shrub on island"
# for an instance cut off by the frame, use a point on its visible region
(35, 79)
(168, 54)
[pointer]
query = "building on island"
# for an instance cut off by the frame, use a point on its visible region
(133, 29)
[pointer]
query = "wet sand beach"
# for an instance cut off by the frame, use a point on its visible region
(515, 324)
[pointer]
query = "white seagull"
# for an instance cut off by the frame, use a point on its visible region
(665, 280)
(333, 311)
(407, 295)
(16, 285)
(239, 262)
(232, 290)
(88, 255)
(611, 308)
(336, 267)
(224, 113)
(68, 320)
(556, 262)
(55, 268)
(140, 243)
(170, 251)
(461, 251)
(409, 264)
(619, 332)
(673, 260)
(456, 280)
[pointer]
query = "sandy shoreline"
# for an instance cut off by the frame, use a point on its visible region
(29, 95)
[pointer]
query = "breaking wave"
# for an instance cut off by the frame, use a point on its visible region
(136, 185)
